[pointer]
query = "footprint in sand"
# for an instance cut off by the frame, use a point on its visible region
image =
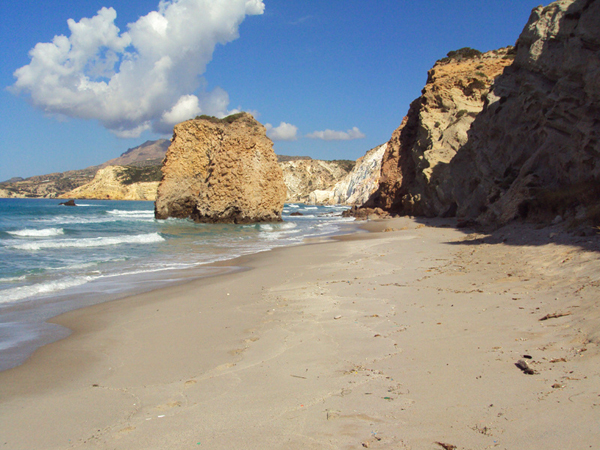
(170, 405)
(237, 351)
(124, 431)
(224, 366)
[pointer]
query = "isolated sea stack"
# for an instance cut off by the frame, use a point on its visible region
(221, 171)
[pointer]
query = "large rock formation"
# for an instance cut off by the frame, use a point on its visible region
(221, 171)
(415, 173)
(118, 183)
(531, 152)
(305, 176)
(358, 185)
(534, 150)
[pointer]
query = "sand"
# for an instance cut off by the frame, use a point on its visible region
(403, 339)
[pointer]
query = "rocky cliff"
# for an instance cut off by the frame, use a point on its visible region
(46, 186)
(221, 170)
(303, 177)
(150, 153)
(119, 183)
(534, 150)
(524, 146)
(357, 186)
(415, 169)
(307, 181)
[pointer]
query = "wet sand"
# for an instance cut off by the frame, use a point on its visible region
(406, 338)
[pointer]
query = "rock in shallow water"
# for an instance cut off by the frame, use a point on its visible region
(221, 171)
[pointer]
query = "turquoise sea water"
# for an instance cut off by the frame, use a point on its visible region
(57, 258)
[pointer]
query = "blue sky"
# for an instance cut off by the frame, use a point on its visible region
(331, 78)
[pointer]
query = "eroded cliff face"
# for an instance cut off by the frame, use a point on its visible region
(356, 187)
(115, 183)
(303, 177)
(221, 171)
(533, 151)
(415, 175)
(525, 146)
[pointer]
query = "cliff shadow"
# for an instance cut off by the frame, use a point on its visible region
(520, 233)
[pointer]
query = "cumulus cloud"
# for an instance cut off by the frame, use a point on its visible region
(331, 135)
(140, 79)
(284, 132)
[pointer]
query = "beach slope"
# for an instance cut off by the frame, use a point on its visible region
(420, 337)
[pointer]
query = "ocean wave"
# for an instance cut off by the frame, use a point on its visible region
(74, 220)
(48, 287)
(277, 227)
(293, 206)
(311, 207)
(46, 232)
(13, 279)
(121, 212)
(147, 270)
(76, 266)
(305, 216)
(150, 238)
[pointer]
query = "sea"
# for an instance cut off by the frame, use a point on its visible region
(56, 258)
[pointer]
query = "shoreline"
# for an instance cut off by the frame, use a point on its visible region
(395, 339)
(25, 324)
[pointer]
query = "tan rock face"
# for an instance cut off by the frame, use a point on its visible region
(415, 169)
(355, 187)
(111, 183)
(221, 171)
(534, 150)
(303, 177)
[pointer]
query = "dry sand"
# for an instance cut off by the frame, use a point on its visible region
(405, 339)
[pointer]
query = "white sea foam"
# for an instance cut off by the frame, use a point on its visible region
(305, 216)
(46, 232)
(120, 212)
(310, 207)
(293, 206)
(23, 292)
(149, 238)
(75, 266)
(13, 279)
(74, 220)
(277, 227)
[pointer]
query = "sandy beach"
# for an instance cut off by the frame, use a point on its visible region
(408, 337)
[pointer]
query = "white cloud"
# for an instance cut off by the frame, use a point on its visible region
(187, 106)
(331, 135)
(139, 79)
(132, 132)
(284, 132)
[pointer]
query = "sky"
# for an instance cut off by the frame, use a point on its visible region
(83, 81)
